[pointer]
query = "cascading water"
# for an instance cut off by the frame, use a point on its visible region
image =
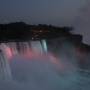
(5, 72)
(11, 49)
(24, 48)
(39, 73)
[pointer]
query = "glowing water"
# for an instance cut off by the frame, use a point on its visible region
(42, 71)
(11, 49)
(5, 72)
(18, 48)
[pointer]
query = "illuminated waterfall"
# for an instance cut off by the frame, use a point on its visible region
(5, 72)
(8, 50)
(16, 48)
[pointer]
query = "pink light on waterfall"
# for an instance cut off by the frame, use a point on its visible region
(8, 53)
(33, 52)
(6, 50)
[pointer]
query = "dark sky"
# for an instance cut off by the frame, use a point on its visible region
(82, 22)
(57, 12)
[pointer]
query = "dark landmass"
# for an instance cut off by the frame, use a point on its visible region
(20, 31)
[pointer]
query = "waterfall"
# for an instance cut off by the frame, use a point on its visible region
(10, 49)
(16, 48)
(5, 72)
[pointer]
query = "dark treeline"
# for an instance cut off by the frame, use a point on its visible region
(22, 31)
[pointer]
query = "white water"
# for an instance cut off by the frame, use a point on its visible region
(11, 49)
(16, 48)
(5, 72)
(31, 68)
(43, 71)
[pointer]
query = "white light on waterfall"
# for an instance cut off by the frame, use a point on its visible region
(36, 47)
(39, 46)
(44, 45)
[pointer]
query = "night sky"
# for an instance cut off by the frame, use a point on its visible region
(56, 12)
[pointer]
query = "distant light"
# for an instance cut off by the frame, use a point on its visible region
(32, 38)
(40, 31)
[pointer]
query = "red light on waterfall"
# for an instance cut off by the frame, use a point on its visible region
(8, 52)
(31, 54)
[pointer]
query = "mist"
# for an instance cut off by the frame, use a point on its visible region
(57, 69)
